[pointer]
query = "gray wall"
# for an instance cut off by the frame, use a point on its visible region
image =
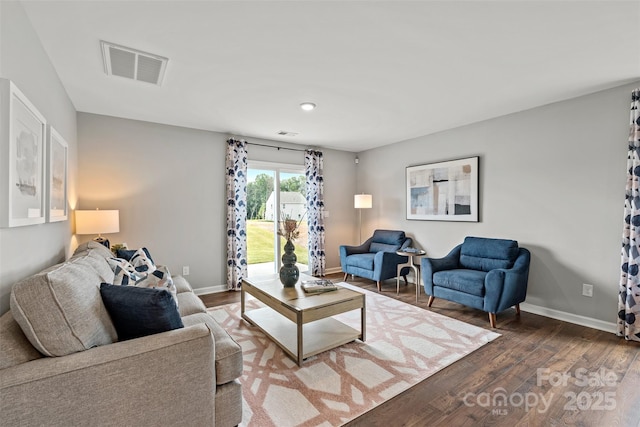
(552, 178)
(168, 183)
(27, 250)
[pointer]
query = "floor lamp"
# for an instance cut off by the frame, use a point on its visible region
(361, 201)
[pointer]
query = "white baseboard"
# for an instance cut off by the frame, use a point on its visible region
(569, 317)
(210, 290)
(529, 308)
(333, 270)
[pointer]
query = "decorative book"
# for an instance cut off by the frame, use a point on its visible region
(320, 285)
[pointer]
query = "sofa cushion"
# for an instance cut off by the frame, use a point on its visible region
(100, 265)
(467, 281)
(382, 247)
(91, 245)
(138, 312)
(228, 351)
(189, 303)
(479, 253)
(387, 240)
(15, 348)
(364, 261)
(60, 310)
(182, 285)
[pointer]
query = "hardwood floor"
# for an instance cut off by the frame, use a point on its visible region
(547, 372)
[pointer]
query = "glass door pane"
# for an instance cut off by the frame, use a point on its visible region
(260, 225)
(293, 205)
(274, 194)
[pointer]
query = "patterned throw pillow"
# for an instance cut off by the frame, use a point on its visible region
(127, 273)
(160, 278)
(142, 262)
(128, 253)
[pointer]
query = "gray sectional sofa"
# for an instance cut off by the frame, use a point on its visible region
(62, 365)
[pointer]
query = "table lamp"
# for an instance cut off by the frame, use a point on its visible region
(98, 222)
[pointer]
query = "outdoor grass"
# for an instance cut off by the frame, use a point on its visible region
(260, 243)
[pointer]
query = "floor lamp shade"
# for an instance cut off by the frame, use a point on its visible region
(362, 201)
(98, 222)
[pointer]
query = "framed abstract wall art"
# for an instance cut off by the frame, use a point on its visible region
(445, 191)
(22, 157)
(57, 177)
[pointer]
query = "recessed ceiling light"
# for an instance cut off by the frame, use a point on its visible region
(307, 106)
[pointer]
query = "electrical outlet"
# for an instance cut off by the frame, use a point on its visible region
(185, 270)
(587, 290)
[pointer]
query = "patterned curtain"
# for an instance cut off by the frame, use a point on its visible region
(315, 211)
(236, 181)
(629, 292)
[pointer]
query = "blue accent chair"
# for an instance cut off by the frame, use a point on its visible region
(487, 274)
(376, 259)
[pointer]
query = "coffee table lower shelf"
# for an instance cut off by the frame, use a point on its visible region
(317, 336)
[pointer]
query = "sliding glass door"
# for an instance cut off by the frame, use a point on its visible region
(274, 192)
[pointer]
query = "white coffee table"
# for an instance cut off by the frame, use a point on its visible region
(410, 263)
(299, 322)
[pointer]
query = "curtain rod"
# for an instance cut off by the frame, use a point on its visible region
(275, 146)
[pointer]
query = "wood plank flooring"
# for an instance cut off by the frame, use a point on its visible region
(547, 372)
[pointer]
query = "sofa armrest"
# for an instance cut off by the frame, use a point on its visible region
(346, 250)
(406, 244)
(161, 379)
(385, 264)
(506, 287)
(433, 265)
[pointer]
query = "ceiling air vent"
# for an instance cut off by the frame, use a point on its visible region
(133, 64)
(286, 133)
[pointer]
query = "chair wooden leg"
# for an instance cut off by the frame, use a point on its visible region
(431, 298)
(345, 277)
(517, 309)
(492, 319)
(379, 286)
(405, 280)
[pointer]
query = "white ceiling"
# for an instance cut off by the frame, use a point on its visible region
(379, 71)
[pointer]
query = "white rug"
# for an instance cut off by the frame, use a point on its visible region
(404, 345)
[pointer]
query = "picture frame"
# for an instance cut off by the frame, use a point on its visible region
(58, 158)
(22, 153)
(443, 191)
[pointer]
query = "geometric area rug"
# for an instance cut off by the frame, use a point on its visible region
(404, 345)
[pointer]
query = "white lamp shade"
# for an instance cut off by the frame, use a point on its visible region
(97, 222)
(362, 201)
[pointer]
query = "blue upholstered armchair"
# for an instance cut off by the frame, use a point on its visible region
(487, 274)
(376, 259)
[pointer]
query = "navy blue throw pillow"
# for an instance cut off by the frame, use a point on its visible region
(128, 253)
(138, 312)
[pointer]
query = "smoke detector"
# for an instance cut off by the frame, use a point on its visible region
(132, 63)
